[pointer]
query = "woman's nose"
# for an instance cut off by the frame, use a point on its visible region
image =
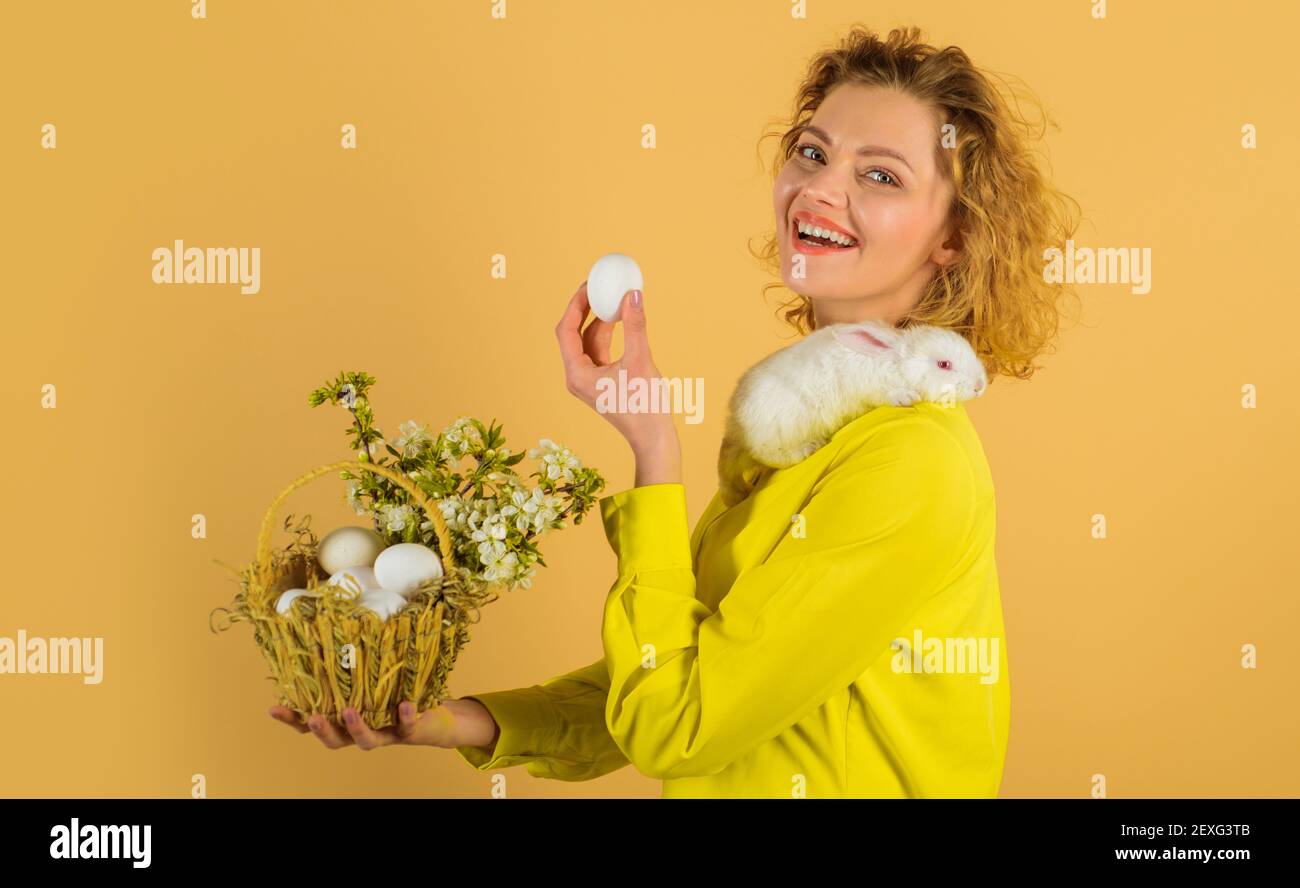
(826, 188)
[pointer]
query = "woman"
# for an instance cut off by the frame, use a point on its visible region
(839, 631)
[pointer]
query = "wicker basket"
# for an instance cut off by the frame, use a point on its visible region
(409, 656)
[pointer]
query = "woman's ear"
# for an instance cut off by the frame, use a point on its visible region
(949, 249)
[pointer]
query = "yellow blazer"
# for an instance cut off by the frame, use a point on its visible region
(838, 633)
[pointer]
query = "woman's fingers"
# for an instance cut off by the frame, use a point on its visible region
(407, 721)
(410, 728)
(362, 734)
(356, 730)
(596, 340)
(328, 732)
(636, 345)
(286, 715)
(566, 331)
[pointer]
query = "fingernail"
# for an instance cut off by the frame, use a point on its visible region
(407, 710)
(315, 725)
(636, 299)
(350, 717)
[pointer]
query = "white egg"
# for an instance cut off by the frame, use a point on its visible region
(384, 602)
(286, 598)
(404, 566)
(352, 578)
(348, 547)
(610, 279)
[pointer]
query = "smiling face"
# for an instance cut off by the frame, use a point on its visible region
(864, 169)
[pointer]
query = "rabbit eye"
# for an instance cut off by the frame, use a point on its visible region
(945, 365)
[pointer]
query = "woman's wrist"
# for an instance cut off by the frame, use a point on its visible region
(659, 457)
(475, 724)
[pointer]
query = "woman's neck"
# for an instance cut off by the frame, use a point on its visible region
(840, 311)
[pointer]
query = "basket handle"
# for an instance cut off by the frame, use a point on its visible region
(435, 515)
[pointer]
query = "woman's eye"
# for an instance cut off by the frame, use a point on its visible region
(892, 180)
(802, 148)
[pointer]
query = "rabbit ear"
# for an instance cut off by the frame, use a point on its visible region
(869, 338)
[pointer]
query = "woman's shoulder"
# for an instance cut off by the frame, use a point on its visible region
(926, 438)
(906, 474)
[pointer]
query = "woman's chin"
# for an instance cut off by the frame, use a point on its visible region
(816, 286)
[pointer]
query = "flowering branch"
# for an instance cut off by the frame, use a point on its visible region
(495, 517)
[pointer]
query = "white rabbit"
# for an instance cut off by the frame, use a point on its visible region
(788, 405)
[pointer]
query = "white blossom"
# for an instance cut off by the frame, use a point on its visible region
(548, 509)
(354, 500)
(411, 439)
(557, 461)
(454, 512)
(460, 438)
(533, 510)
(498, 563)
(396, 518)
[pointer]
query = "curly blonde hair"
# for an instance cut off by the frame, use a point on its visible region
(1006, 212)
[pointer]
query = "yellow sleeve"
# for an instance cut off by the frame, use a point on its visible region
(691, 690)
(555, 729)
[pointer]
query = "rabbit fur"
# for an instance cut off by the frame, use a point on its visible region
(788, 405)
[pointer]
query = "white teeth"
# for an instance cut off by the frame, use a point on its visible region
(817, 231)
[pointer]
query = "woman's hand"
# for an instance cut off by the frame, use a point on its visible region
(592, 378)
(464, 722)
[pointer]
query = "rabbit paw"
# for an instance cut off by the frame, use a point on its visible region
(901, 397)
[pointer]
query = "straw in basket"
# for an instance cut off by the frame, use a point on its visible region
(327, 652)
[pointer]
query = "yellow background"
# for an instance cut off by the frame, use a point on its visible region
(478, 136)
